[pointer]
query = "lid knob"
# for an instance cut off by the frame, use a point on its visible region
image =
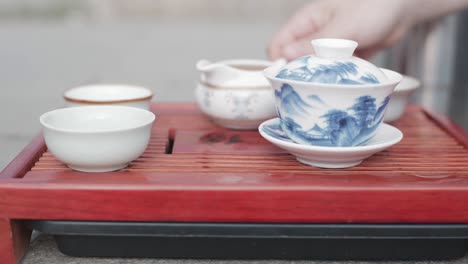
(334, 48)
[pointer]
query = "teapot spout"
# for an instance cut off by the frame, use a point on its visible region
(204, 65)
(215, 73)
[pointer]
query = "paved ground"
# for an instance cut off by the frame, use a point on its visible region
(44, 251)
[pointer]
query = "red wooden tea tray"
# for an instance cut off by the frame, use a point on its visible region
(194, 171)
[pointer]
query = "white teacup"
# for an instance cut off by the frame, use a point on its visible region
(400, 98)
(109, 94)
(97, 138)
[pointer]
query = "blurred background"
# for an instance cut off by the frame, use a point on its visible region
(48, 46)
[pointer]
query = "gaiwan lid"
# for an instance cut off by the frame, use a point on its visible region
(332, 63)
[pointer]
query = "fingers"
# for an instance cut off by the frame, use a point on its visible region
(366, 54)
(335, 28)
(367, 51)
(298, 49)
(290, 33)
(302, 46)
(369, 23)
(303, 23)
(283, 37)
(295, 47)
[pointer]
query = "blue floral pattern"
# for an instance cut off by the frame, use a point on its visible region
(292, 101)
(334, 73)
(352, 126)
(241, 106)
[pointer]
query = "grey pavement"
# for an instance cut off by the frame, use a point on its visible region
(44, 251)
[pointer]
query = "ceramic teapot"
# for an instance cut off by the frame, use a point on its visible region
(235, 93)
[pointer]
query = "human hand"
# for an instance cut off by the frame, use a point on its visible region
(374, 24)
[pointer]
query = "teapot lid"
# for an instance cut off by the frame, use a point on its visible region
(332, 63)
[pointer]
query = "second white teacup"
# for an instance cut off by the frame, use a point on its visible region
(109, 94)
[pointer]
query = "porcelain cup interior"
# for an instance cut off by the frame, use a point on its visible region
(249, 65)
(332, 115)
(109, 94)
(97, 138)
(96, 119)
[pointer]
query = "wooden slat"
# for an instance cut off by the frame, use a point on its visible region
(25, 160)
(281, 203)
(170, 180)
(426, 150)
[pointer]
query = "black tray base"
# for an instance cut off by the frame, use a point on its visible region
(234, 248)
(257, 241)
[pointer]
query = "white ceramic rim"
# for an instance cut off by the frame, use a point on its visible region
(151, 119)
(82, 100)
(235, 88)
(413, 84)
(247, 62)
(332, 149)
(331, 42)
(394, 81)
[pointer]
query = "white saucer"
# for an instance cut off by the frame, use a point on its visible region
(330, 157)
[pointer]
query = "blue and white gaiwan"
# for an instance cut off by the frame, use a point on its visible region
(331, 98)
